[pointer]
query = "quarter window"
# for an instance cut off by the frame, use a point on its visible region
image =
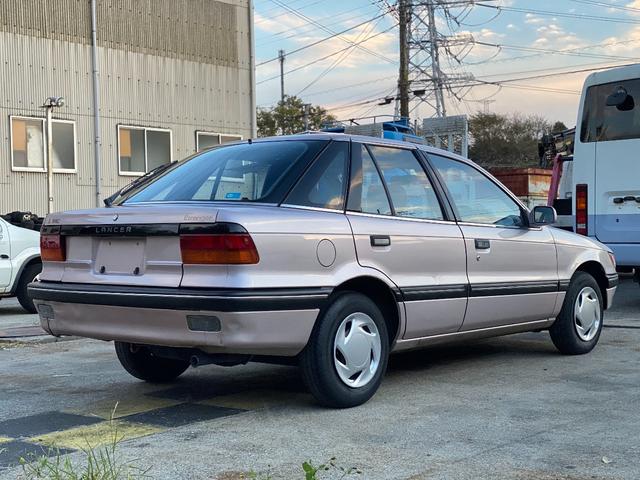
(142, 149)
(29, 143)
(477, 198)
(411, 192)
(323, 185)
(366, 192)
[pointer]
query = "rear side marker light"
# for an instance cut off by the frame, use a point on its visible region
(218, 249)
(582, 211)
(52, 248)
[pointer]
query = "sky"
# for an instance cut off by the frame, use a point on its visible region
(519, 40)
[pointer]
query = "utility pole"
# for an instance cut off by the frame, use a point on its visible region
(404, 21)
(486, 104)
(281, 58)
(49, 104)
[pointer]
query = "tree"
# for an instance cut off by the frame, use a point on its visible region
(558, 127)
(288, 117)
(506, 140)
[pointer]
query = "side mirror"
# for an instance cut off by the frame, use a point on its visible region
(621, 99)
(542, 215)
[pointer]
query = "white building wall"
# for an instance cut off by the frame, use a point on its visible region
(192, 87)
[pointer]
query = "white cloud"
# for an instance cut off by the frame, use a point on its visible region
(532, 19)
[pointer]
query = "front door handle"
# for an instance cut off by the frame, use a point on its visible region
(380, 240)
(482, 244)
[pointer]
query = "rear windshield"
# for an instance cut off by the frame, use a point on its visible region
(258, 172)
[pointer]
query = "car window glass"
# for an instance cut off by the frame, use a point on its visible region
(242, 172)
(366, 190)
(477, 198)
(411, 192)
(323, 185)
(602, 122)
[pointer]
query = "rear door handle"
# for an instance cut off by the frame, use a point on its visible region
(380, 240)
(4, 257)
(482, 244)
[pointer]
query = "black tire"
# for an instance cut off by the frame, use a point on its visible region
(564, 333)
(26, 277)
(141, 363)
(317, 360)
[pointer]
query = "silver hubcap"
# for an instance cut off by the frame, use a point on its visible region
(357, 350)
(586, 314)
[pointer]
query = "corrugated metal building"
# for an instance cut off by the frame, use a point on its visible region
(173, 76)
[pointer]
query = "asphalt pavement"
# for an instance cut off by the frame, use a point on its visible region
(509, 407)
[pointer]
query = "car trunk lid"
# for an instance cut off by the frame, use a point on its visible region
(124, 245)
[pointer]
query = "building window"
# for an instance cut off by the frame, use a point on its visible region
(142, 149)
(29, 149)
(64, 146)
(206, 140)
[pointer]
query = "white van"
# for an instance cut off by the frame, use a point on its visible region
(606, 164)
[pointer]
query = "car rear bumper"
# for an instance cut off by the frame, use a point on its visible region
(248, 321)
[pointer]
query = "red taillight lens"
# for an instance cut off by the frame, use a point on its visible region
(52, 248)
(582, 213)
(222, 249)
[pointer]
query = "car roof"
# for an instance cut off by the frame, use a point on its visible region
(345, 137)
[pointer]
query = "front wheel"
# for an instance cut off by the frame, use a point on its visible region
(346, 357)
(141, 363)
(577, 328)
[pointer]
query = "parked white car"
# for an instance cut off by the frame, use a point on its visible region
(19, 262)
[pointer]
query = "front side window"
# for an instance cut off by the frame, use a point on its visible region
(259, 171)
(602, 122)
(142, 149)
(477, 199)
(411, 192)
(323, 185)
(29, 144)
(366, 191)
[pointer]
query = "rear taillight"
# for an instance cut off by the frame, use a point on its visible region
(220, 249)
(582, 218)
(52, 247)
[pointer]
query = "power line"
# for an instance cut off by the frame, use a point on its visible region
(338, 60)
(563, 14)
(608, 5)
(328, 30)
(301, 67)
(317, 42)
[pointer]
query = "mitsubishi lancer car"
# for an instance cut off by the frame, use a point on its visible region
(328, 251)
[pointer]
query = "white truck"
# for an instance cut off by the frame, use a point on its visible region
(599, 189)
(19, 262)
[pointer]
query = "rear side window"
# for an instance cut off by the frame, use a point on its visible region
(602, 123)
(260, 171)
(366, 192)
(323, 185)
(411, 192)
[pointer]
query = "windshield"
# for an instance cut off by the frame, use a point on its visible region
(261, 171)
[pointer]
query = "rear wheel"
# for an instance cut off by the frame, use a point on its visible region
(27, 276)
(577, 328)
(346, 357)
(141, 363)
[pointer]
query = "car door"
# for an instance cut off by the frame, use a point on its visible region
(401, 229)
(5, 256)
(512, 268)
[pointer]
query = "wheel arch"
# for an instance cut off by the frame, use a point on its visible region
(382, 295)
(34, 259)
(596, 270)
